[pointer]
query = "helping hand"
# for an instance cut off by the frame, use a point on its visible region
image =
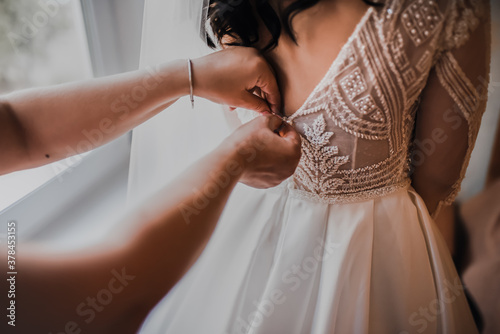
(267, 158)
(231, 77)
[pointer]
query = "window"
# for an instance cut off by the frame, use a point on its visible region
(74, 202)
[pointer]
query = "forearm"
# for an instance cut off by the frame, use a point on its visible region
(181, 222)
(55, 122)
(174, 228)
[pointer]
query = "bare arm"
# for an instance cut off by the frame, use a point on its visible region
(112, 292)
(42, 125)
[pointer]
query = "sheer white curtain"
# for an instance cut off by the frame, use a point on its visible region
(165, 145)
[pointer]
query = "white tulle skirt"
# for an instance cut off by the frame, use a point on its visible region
(282, 263)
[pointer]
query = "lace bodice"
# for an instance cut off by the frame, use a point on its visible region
(358, 125)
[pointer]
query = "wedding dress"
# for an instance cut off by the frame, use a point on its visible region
(346, 245)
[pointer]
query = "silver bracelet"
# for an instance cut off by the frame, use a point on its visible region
(190, 72)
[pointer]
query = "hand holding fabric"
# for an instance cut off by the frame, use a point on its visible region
(267, 157)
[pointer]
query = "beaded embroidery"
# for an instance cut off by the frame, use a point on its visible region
(354, 84)
(319, 162)
(367, 101)
(421, 19)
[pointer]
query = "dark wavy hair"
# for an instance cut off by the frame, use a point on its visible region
(239, 19)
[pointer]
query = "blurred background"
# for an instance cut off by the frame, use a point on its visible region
(50, 42)
(75, 203)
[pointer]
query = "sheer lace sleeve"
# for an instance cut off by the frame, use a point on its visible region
(452, 104)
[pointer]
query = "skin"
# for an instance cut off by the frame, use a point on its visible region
(66, 113)
(112, 291)
(310, 58)
(63, 291)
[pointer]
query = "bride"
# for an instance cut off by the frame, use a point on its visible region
(388, 100)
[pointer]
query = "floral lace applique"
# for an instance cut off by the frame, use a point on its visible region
(320, 162)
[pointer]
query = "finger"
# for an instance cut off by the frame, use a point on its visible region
(273, 122)
(257, 91)
(253, 102)
(269, 87)
(289, 133)
(279, 129)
